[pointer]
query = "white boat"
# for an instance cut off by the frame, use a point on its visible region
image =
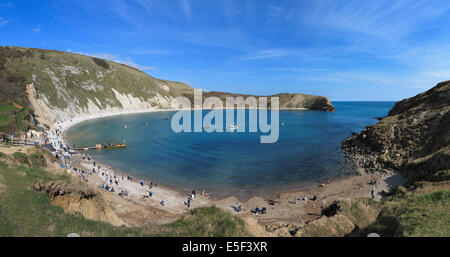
(233, 127)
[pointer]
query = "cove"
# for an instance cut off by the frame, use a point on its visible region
(308, 149)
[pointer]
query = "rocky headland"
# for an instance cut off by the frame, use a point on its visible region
(414, 138)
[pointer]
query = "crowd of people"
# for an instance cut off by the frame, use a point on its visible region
(112, 182)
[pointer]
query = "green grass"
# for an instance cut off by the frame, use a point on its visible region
(413, 215)
(198, 223)
(4, 119)
(21, 158)
(424, 215)
(25, 212)
(20, 116)
(7, 108)
(12, 119)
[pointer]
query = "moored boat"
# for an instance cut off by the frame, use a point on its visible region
(113, 146)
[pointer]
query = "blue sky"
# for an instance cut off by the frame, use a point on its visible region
(346, 50)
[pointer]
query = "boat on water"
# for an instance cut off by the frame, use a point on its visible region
(113, 146)
(233, 127)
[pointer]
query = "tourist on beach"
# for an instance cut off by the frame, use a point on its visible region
(162, 202)
(372, 193)
(189, 203)
(238, 206)
(263, 210)
(142, 182)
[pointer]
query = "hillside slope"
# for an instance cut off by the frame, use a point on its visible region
(414, 138)
(62, 85)
(56, 85)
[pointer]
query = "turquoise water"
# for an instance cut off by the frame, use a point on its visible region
(308, 149)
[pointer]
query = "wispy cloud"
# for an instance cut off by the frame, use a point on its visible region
(390, 20)
(273, 10)
(127, 60)
(3, 21)
(158, 52)
(296, 53)
(8, 4)
(186, 7)
(267, 54)
(37, 29)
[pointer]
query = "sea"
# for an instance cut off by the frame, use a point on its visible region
(227, 163)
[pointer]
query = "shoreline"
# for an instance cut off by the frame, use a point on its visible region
(175, 198)
(65, 125)
(215, 193)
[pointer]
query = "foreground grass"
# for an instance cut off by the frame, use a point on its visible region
(423, 210)
(25, 212)
(423, 215)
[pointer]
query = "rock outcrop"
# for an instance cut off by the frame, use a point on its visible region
(414, 138)
(79, 198)
(341, 218)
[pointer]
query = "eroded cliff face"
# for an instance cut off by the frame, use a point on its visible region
(79, 198)
(62, 86)
(414, 138)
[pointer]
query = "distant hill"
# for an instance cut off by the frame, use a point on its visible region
(54, 85)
